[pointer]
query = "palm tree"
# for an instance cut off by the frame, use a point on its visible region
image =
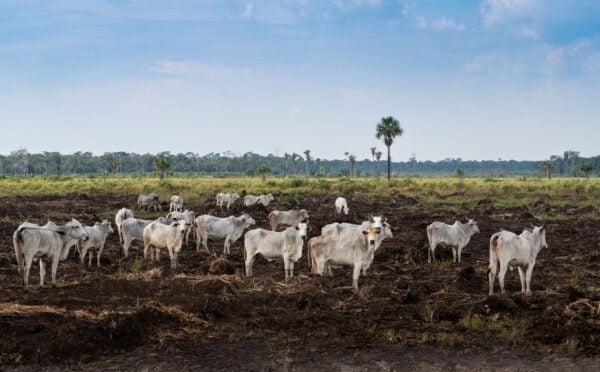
(373, 153)
(163, 166)
(378, 158)
(388, 129)
(286, 158)
(351, 161)
(548, 167)
(308, 159)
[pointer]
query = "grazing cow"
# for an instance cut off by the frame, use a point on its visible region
(355, 248)
(149, 201)
(170, 237)
(230, 229)
(97, 237)
(286, 218)
(188, 217)
(457, 236)
(132, 229)
(176, 203)
(228, 199)
(251, 200)
(122, 215)
(45, 244)
(272, 245)
(509, 249)
(341, 205)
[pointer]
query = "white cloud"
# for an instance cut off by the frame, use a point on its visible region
(248, 10)
(181, 68)
(440, 24)
(500, 11)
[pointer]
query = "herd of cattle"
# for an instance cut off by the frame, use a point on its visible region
(340, 244)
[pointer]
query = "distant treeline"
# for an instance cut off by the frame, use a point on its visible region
(21, 162)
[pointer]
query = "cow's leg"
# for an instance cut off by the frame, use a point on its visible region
(146, 251)
(28, 261)
(98, 254)
(453, 254)
(501, 275)
(55, 260)
(492, 271)
(227, 248)
(173, 256)
(249, 263)
(91, 256)
(355, 276)
(522, 277)
(291, 264)
(42, 272)
(126, 244)
(432, 252)
(286, 264)
(82, 254)
(460, 247)
(528, 278)
(156, 254)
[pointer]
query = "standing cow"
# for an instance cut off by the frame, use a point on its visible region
(341, 206)
(97, 237)
(149, 201)
(228, 199)
(132, 229)
(230, 229)
(251, 200)
(286, 218)
(46, 244)
(170, 237)
(509, 249)
(457, 236)
(356, 248)
(187, 216)
(122, 215)
(272, 245)
(176, 204)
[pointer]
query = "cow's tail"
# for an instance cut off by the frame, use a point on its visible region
(17, 241)
(271, 218)
(309, 254)
(495, 246)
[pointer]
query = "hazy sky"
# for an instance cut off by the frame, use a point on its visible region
(478, 79)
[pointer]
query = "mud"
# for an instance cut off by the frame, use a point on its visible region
(134, 314)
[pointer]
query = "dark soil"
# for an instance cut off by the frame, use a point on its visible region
(134, 314)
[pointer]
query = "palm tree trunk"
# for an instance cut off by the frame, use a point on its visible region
(389, 164)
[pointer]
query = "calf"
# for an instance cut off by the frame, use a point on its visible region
(176, 203)
(170, 237)
(132, 229)
(286, 218)
(272, 245)
(97, 237)
(509, 249)
(341, 205)
(457, 236)
(228, 199)
(46, 244)
(355, 249)
(230, 229)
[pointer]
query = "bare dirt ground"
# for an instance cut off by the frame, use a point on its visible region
(132, 314)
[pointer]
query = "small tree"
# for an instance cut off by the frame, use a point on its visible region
(308, 160)
(373, 153)
(586, 168)
(162, 165)
(351, 162)
(548, 168)
(460, 173)
(286, 159)
(378, 158)
(388, 129)
(263, 170)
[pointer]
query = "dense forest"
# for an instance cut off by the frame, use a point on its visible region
(23, 163)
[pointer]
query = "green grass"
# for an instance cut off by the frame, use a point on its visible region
(451, 192)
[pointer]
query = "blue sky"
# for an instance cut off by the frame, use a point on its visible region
(478, 79)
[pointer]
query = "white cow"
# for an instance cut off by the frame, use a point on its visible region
(132, 229)
(272, 245)
(187, 216)
(228, 199)
(334, 229)
(341, 205)
(286, 218)
(456, 236)
(97, 237)
(251, 200)
(151, 200)
(356, 248)
(176, 203)
(45, 244)
(509, 249)
(122, 215)
(230, 229)
(170, 237)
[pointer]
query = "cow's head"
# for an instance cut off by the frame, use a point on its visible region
(181, 226)
(302, 229)
(303, 214)
(106, 226)
(473, 225)
(76, 231)
(541, 230)
(376, 221)
(247, 221)
(371, 234)
(269, 197)
(386, 230)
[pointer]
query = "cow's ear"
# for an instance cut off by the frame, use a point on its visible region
(365, 232)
